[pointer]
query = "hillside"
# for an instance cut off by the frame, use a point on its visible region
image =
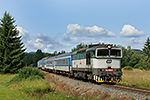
(138, 51)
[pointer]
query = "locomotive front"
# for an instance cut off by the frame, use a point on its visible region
(106, 64)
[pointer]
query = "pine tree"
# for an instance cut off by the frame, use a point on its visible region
(11, 47)
(146, 48)
(146, 62)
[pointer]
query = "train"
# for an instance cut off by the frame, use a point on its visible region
(99, 63)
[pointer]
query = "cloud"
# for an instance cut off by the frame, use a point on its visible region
(66, 37)
(46, 43)
(133, 41)
(95, 31)
(130, 31)
(35, 44)
(24, 33)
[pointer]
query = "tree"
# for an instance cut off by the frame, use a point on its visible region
(28, 60)
(130, 57)
(11, 47)
(146, 48)
(146, 62)
(37, 57)
(79, 46)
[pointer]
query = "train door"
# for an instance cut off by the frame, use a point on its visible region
(88, 60)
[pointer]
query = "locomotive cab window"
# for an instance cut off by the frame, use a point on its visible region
(102, 52)
(115, 52)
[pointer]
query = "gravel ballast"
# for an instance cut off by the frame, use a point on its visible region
(88, 86)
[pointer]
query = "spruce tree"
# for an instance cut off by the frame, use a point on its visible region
(146, 48)
(145, 63)
(11, 47)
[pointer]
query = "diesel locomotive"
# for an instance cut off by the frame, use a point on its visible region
(100, 63)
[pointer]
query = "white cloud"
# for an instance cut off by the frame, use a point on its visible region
(46, 43)
(49, 45)
(24, 33)
(38, 40)
(66, 37)
(130, 31)
(133, 41)
(35, 44)
(95, 31)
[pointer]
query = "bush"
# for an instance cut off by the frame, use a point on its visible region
(28, 72)
(141, 68)
(127, 68)
(137, 66)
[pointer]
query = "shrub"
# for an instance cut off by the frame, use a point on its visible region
(28, 72)
(127, 68)
(141, 68)
(137, 66)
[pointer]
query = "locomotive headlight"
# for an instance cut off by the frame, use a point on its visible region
(109, 46)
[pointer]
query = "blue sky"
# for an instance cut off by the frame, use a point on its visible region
(56, 25)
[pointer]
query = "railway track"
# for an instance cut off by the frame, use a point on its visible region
(127, 88)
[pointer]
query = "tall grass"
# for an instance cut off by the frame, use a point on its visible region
(31, 81)
(35, 86)
(136, 77)
(9, 93)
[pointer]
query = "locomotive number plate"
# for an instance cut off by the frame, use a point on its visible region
(109, 70)
(108, 61)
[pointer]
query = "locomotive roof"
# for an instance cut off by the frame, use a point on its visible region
(92, 47)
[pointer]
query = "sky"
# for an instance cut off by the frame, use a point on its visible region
(56, 25)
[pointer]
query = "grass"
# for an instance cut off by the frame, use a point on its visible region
(136, 77)
(9, 93)
(35, 89)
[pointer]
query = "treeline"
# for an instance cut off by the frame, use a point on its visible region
(32, 58)
(131, 57)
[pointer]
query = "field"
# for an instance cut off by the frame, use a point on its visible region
(9, 93)
(18, 91)
(136, 77)
(27, 90)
